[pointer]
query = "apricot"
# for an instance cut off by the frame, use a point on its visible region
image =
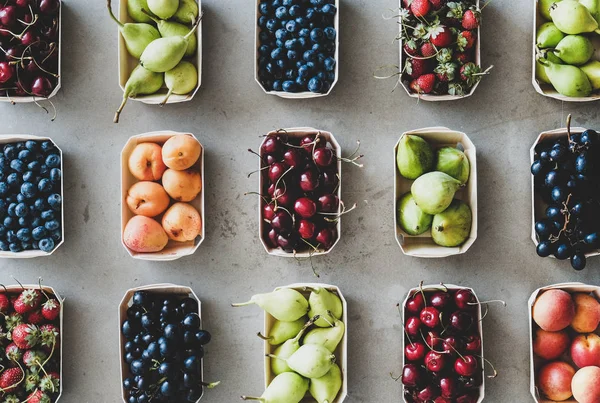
(181, 152)
(145, 162)
(182, 185)
(182, 222)
(145, 235)
(147, 198)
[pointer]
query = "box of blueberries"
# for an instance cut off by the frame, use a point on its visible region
(297, 43)
(31, 191)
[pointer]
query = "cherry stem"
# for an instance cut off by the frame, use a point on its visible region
(487, 310)
(431, 347)
(404, 326)
(422, 294)
(258, 170)
(395, 378)
(487, 302)
(491, 365)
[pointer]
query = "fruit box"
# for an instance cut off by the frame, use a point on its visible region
(127, 63)
(341, 353)
(430, 97)
(535, 362)
(300, 132)
(423, 245)
(164, 289)
(546, 89)
(306, 94)
(12, 138)
(174, 250)
(453, 287)
(538, 206)
(30, 99)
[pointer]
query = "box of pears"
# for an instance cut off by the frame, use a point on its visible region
(160, 50)
(436, 192)
(566, 65)
(305, 343)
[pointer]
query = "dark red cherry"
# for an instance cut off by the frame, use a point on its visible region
(22, 3)
(329, 180)
(29, 38)
(49, 7)
(271, 145)
(308, 142)
(287, 242)
(268, 211)
(7, 72)
(452, 344)
(273, 237)
(323, 157)
(411, 375)
(294, 158)
(430, 317)
(415, 304)
(8, 16)
(442, 400)
(448, 387)
(283, 197)
(276, 171)
(326, 237)
(306, 229)
(413, 326)
(433, 339)
(473, 343)
(41, 87)
(282, 222)
(465, 300)
(461, 321)
(328, 203)
(305, 207)
(469, 398)
(428, 394)
(415, 351)
(466, 365)
(309, 181)
(435, 361)
(440, 300)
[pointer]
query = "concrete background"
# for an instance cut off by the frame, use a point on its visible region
(92, 270)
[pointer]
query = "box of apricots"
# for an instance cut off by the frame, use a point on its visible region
(162, 195)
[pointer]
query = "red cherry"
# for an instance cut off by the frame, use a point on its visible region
(461, 321)
(287, 242)
(415, 303)
(413, 325)
(434, 361)
(448, 387)
(268, 211)
(305, 207)
(273, 237)
(415, 351)
(451, 345)
(323, 157)
(7, 72)
(306, 229)
(49, 7)
(326, 237)
(411, 375)
(41, 87)
(282, 222)
(465, 300)
(309, 180)
(428, 394)
(328, 203)
(276, 171)
(29, 38)
(465, 366)
(430, 317)
(433, 339)
(22, 3)
(271, 145)
(470, 398)
(329, 180)
(8, 16)
(308, 142)
(440, 300)
(293, 158)
(473, 343)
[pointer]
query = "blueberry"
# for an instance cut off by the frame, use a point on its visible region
(38, 233)
(24, 222)
(329, 64)
(304, 42)
(15, 247)
(264, 9)
(304, 33)
(329, 9)
(9, 222)
(277, 53)
(31, 145)
(40, 204)
(11, 209)
(4, 246)
(330, 33)
(317, 47)
(25, 155)
(46, 244)
(321, 58)
(262, 21)
(281, 34)
(302, 22)
(291, 74)
(326, 86)
(28, 190)
(287, 3)
(21, 198)
(271, 24)
(277, 85)
(279, 43)
(3, 162)
(281, 13)
(21, 210)
(317, 35)
(55, 175)
(37, 221)
(47, 215)
(4, 188)
(3, 231)
(311, 13)
(44, 169)
(304, 71)
(45, 185)
(329, 46)
(54, 200)
(317, 2)
(315, 85)
(13, 179)
(10, 152)
(264, 50)
(292, 44)
(309, 56)
(291, 26)
(35, 245)
(289, 86)
(11, 236)
(301, 82)
(17, 165)
(264, 36)
(282, 64)
(52, 225)
(292, 55)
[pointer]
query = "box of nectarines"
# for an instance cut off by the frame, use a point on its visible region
(162, 195)
(565, 343)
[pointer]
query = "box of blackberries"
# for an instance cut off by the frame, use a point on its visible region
(297, 45)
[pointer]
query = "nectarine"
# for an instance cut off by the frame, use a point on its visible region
(145, 235)
(554, 380)
(147, 198)
(182, 185)
(181, 152)
(553, 310)
(585, 350)
(550, 345)
(587, 313)
(586, 385)
(182, 222)
(145, 162)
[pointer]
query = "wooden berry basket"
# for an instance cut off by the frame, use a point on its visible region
(423, 245)
(26, 254)
(126, 302)
(341, 352)
(174, 250)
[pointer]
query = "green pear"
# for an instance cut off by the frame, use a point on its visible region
(594, 8)
(283, 331)
(181, 80)
(592, 71)
(134, 9)
(284, 304)
(170, 28)
(289, 347)
(434, 191)
(453, 226)
(548, 36)
(141, 82)
(321, 302)
(572, 17)
(310, 361)
(574, 49)
(540, 69)
(453, 162)
(544, 7)
(164, 9)
(328, 337)
(187, 12)
(414, 157)
(165, 53)
(410, 216)
(326, 388)
(137, 36)
(567, 80)
(285, 388)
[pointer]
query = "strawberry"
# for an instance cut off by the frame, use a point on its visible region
(463, 57)
(440, 36)
(32, 379)
(420, 8)
(26, 336)
(51, 309)
(416, 67)
(34, 358)
(410, 47)
(50, 336)
(437, 4)
(38, 397)
(27, 301)
(465, 40)
(471, 19)
(13, 353)
(427, 49)
(50, 383)
(4, 303)
(423, 84)
(13, 320)
(11, 378)
(445, 72)
(35, 317)
(470, 73)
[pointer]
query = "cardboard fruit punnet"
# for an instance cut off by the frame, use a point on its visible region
(341, 353)
(174, 250)
(423, 245)
(13, 138)
(127, 63)
(299, 132)
(166, 289)
(305, 94)
(451, 287)
(535, 362)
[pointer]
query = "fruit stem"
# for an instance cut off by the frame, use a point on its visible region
(236, 305)
(491, 365)
(394, 377)
(42, 289)
(118, 113)
(404, 326)
(194, 27)
(211, 385)
(252, 398)
(19, 283)
(259, 334)
(487, 302)
(164, 101)
(152, 17)
(422, 294)
(112, 15)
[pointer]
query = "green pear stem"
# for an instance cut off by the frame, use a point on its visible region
(164, 101)
(242, 304)
(112, 15)
(252, 398)
(259, 334)
(153, 18)
(118, 113)
(194, 27)
(210, 385)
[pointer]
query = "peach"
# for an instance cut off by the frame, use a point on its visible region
(182, 222)
(147, 198)
(587, 313)
(145, 235)
(182, 185)
(585, 350)
(586, 385)
(145, 162)
(550, 345)
(554, 380)
(181, 152)
(553, 310)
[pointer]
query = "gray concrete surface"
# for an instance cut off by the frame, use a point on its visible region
(92, 270)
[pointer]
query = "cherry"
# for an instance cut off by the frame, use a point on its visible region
(413, 325)
(308, 142)
(433, 339)
(323, 157)
(287, 243)
(283, 197)
(293, 158)
(465, 300)
(440, 300)
(29, 38)
(49, 7)
(473, 343)
(461, 321)
(448, 387)
(276, 171)
(14, 53)
(22, 3)
(269, 159)
(470, 382)
(41, 87)
(430, 317)
(7, 72)
(271, 145)
(305, 207)
(273, 237)
(309, 180)
(282, 222)
(411, 375)
(428, 394)
(329, 180)
(465, 366)
(306, 229)
(435, 361)
(50, 31)
(415, 303)
(328, 203)
(326, 237)
(8, 16)
(268, 211)
(414, 351)
(470, 398)
(452, 344)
